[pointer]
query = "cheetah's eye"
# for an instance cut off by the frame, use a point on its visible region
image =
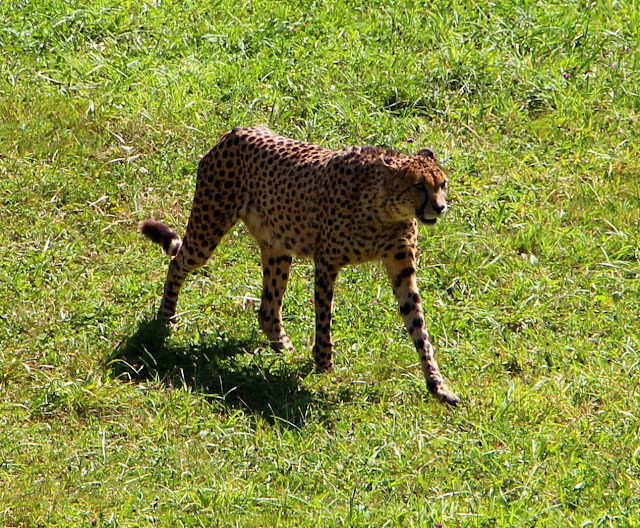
(420, 186)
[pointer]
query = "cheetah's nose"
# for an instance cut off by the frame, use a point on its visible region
(439, 208)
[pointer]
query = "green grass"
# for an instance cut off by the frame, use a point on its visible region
(531, 284)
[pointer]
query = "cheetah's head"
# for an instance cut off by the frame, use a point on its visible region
(416, 187)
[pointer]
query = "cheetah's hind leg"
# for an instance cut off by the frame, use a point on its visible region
(275, 267)
(187, 255)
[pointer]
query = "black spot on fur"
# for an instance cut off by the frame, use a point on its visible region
(406, 308)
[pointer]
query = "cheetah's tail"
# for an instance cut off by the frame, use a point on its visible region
(161, 234)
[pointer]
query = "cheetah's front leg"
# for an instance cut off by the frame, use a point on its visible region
(402, 272)
(325, 281)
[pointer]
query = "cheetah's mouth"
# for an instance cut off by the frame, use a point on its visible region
(426, 216)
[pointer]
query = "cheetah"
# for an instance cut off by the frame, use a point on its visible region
(339, 208)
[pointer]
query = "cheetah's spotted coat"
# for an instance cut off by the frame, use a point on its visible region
(338, 207)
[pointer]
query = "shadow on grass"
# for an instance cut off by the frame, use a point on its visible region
(218, 368)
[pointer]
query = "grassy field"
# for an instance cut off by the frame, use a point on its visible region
(531, 285)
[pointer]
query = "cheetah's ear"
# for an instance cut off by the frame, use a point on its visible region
(427, 153)
(389, 165)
